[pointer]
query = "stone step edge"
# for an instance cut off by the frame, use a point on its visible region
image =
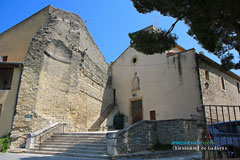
(97, 132)
(75, 147)
(72, 145)
(69, 150)
(83, 133)
(72, 139)
(66, 137)
(68, 153)
(78, 136)
(74, 142)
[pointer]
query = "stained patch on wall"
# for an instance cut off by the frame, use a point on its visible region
(179, 65)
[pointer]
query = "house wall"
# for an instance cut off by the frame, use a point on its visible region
(7, 100)
(168, 84)
(62, 81)
(15, 41)
(214, 94)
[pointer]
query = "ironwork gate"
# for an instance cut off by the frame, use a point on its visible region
(222, 131)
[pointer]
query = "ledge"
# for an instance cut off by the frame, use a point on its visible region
(34, 134)
(116, 134)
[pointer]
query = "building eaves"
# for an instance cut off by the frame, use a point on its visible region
(13, 63)
(10, 64)
(216, 65)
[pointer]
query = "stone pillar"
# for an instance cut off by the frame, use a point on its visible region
(30, 141)
(111, 144)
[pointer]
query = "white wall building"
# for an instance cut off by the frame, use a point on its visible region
(171, 84)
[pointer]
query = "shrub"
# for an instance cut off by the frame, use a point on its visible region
(4, 143)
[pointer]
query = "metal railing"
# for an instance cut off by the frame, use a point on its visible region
(43, 134)
(50, 130)
(222, 127)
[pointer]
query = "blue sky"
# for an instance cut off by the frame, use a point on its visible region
(108, 21)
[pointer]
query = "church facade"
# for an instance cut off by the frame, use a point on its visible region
(171, 85)
(51, 70)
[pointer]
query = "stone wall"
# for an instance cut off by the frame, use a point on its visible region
(65, 79)
(163, 79)
(213, 92)
(137, 138)
(144, 134)
(177, 130)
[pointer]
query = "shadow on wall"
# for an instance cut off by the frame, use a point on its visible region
(108, 107)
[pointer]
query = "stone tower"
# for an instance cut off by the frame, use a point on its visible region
(65, 77)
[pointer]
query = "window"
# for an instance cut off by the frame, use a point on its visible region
(207, 74)
(6, 78)
(134, 60)
(114, 95)
(238, 87)
(3, 58)
(223, 85)
(153, 115)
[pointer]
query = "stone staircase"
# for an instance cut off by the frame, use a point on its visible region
(103, 116)
(85, 145)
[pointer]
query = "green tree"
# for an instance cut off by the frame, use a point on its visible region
(215, 24)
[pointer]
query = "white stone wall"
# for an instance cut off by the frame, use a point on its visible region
(168, 84)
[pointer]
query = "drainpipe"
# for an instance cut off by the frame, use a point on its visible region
(197, 59)
(15, 105)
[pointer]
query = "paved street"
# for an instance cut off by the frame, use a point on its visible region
(21, 156)
(24, 156)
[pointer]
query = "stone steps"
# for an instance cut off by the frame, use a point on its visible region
(102, 117)
(83, 144)
(74, 141)
(82, 147)
(72, 144)
(79, 136)
(82, 155)
(82, 133)
(71, 150)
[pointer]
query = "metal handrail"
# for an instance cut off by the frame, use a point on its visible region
(59, 124)
(40, 133)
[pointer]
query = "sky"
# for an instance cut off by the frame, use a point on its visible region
(108, 21)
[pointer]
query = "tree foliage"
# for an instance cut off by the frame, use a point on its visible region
(215, 24)
(157, 42)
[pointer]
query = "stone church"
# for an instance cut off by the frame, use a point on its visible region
(51, 71)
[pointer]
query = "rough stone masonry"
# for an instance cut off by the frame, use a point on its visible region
(65, 78)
